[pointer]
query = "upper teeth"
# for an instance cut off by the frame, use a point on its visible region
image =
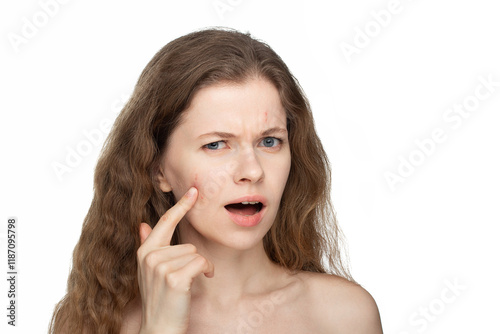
(249, 202)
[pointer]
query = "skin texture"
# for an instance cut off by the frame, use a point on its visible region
(220, 280)
(239, 166)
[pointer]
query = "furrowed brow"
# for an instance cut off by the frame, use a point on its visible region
(224, 135)
(228, 135)
(275, 130)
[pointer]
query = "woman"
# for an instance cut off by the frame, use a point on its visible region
(211, 211)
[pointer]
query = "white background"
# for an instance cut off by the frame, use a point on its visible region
(440, 225)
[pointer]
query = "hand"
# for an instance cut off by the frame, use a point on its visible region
(166, 272)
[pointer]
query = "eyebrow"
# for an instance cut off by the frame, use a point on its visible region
(228, 135)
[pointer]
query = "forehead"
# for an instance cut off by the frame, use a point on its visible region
(252, 105)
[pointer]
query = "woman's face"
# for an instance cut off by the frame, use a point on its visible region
(232, 145)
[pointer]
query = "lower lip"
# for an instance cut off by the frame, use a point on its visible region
(246, 221)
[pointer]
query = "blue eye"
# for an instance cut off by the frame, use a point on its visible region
(270, 141)
(215, 145)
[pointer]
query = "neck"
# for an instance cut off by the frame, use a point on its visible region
(238, 273)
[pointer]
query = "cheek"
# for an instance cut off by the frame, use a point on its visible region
(278, 175)
(179, 183)
(210, 184)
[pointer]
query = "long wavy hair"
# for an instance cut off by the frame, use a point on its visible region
(304, 236)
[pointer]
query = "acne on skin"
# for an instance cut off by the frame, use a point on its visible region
(236, 116)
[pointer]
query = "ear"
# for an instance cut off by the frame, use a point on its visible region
(162, 181)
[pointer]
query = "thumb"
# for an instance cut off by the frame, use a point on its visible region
(144, 231)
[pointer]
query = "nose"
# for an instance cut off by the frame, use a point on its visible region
(248, 167)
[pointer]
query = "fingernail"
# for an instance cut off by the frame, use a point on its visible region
(191, 192)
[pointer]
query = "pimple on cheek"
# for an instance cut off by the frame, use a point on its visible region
(196, 184)
(210, 184)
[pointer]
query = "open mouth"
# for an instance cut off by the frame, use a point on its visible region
(244, 208)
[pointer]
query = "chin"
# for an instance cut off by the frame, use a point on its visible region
(244, 242)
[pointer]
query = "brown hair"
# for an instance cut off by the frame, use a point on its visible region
(304, 236)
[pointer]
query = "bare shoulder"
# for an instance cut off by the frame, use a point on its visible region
(340, 306)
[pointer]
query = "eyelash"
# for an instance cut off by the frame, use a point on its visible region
(280, 141)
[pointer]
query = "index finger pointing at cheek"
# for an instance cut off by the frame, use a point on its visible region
(164, 229)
